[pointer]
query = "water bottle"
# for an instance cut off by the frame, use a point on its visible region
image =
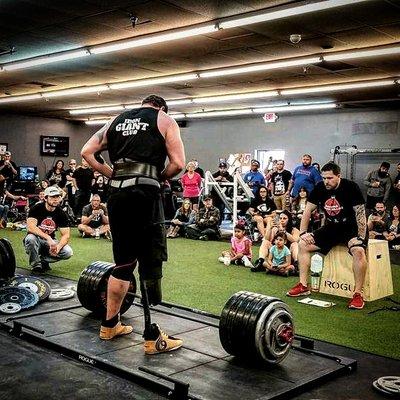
(317, 263)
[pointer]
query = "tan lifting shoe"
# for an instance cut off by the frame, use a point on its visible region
(162, 344)
(117, 330)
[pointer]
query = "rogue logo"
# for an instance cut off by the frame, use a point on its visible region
(86, 359)
(338, 285)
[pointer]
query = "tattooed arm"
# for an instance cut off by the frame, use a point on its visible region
(361, 220)
(94, 145)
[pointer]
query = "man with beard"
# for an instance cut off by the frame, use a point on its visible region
(43, 220)
(280, 183)
(254, 178)
(378, 221)
(304, 175)
(378, 185)
(345, 222)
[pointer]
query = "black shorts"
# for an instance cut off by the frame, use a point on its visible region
(331, 235)
(137, 226)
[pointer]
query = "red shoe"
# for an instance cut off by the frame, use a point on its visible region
(298, 290)
(357, 302)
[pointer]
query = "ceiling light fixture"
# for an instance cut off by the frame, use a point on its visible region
(51, 58)
(240, 96)
(260, 67)
(289, 108)
(362, 53)
(12, 99)
(97, 121)
(96, 110)
(336, 87)
(79, 90)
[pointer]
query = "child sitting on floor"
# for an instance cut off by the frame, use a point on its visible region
(240, 252)
(278, 261)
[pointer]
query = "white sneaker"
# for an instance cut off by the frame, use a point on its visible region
(247, 262)
(97, 234)
(227, 261)
(221, 259)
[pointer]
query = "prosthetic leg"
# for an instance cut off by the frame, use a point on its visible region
(156, 341)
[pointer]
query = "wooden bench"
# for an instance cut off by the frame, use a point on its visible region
(337, 275)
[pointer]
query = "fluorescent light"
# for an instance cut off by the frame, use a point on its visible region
(179, 102)
(95, 110)
(132, 106)
(178, 116)
(153, 81)
(219, 113)
(362, 53)
(79, 90)
(97, 122)
(287, 12)
(50, 58)
(241, 96)
(152, 39)
(12, 99)
(260, 67)
(295, 108)
(341, 86)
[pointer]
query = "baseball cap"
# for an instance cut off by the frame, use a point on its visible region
(222, 164)
(7, 153)
(52, 191)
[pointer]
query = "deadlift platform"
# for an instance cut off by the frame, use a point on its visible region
(199, 370)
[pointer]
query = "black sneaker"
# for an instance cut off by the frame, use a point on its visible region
(38, 269)
(45, 266)
(204, 238)
(258, 266)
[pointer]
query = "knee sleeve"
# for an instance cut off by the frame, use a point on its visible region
(154, 291)
(124, 272)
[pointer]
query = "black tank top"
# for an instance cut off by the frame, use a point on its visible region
(134, 135)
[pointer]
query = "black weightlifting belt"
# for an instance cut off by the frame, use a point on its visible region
(129, 173)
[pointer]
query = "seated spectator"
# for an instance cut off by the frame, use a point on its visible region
(206, 225)
(8, 169)
(184, 216)
(41, 197)
(392, 231)
(43, 185)
(254, 178)
(299, 205)
(262, 208)
(94, 221)
(4, 208)
(278, 261)
(191, 184)
(240, 252)
(40, 242)
(378, 221)
(284, 224)
(100, 188)
(57, 175)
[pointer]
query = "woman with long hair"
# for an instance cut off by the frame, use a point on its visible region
(57, 175)
(185, 215)
(392, 232)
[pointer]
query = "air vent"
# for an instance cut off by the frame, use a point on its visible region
(375, 128)
(334, 66)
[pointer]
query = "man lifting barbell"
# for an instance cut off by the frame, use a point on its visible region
(345, 221)
(138, 142)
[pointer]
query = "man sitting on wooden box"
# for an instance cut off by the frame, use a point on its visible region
(345, 222)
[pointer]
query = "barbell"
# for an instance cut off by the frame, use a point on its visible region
(252, 326)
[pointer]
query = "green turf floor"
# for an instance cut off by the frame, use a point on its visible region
(193, 277)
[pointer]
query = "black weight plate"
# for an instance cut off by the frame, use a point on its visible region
(4, 264)
(12, 265)
(223, 323)
(14, 294)
(37, 285)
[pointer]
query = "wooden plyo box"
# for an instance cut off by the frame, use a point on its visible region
(337, 274)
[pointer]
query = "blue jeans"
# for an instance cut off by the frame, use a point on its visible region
(3, 213)
(37, 249)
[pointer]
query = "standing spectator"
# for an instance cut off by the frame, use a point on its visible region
(94, 219)
(69, 184)
(392, 231)
(82, 180)
(280, 184)
(254, 178)
(378, 222)
(378, 183)
(396, 186)
(191, 184)
(8, 169)
(57, 176)
(43, 221)
(304, 175)
(240, 252)
(206, 225)
(101, 189)
(221, 176)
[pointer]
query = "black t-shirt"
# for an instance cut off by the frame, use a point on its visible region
(84, 177)
(263, 207)
(280, 181)
(102, 191)
(224, 174)
(338, 203)
(6, 171)
(48, 221)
